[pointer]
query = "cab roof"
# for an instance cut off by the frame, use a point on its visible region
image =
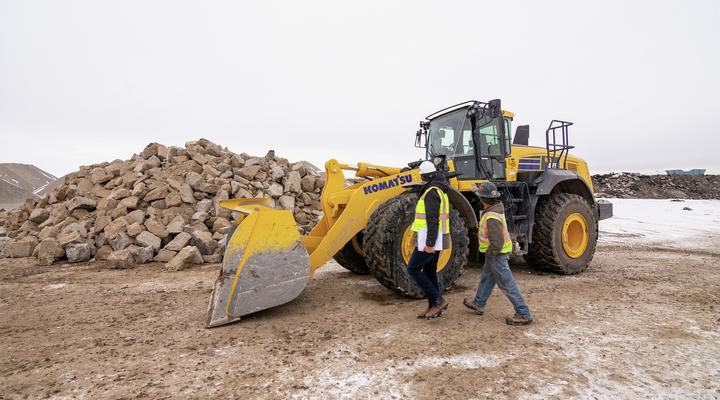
(505, 113)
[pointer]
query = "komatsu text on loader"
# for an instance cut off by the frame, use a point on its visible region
(548, 197)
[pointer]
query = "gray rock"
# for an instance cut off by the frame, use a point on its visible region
(134, 229)
(212, 258)
(249, 172)
(184, 259)
(293, 182)
(120, 241)
(287, 202)
(78, 252)
(176, 225)
(39, 215)
(204, 242)
(116, 227)
(164, 255)
(141, 254)
(204, 205)
(121, 259)
(20, 248)
(275, 190)
(81, 203)
(181, 240)
(156, 228)
(48, 251)
(308, 183)
(147, 239)
(156, 194)
(136, 216)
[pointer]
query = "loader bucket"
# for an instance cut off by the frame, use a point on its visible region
(265, 263)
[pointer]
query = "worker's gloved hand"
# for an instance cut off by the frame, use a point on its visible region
(429, 249)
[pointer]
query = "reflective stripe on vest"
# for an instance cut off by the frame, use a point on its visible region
(420, 222)
(482, 234)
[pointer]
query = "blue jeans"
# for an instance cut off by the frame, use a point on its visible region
(423, 269)
(497, 270)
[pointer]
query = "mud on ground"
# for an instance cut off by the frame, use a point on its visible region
(636, 324)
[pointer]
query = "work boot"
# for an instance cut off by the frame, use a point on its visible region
(518, 319)
(436, 311)
(469, 304)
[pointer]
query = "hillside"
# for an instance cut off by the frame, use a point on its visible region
(21, 181)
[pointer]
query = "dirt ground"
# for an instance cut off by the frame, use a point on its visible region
(637, 324)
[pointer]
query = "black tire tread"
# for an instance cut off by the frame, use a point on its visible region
(381, 249)
(542, 255)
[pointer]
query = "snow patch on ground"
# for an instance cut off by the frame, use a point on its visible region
(349, 374)
(663, 223)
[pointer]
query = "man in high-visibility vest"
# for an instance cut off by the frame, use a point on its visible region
(495, 242)
(432, 227)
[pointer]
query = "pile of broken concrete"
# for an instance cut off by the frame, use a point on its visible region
(161, 205)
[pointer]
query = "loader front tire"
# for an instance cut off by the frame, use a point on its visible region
(564, 235)
(383, 240)
(349, 258)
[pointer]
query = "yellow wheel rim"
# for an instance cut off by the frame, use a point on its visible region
(357, 246)
(408, 245)
(575, 235)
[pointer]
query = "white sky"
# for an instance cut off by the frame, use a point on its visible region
(90, 81)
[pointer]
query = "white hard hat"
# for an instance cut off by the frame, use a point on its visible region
(426, 167)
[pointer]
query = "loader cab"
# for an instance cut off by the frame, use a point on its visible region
(473, 134)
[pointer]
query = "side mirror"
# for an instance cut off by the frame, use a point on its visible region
(421, 135)
(495, 108)
(522, 135)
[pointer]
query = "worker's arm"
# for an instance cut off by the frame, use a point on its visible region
(495, 236)
(432, 216)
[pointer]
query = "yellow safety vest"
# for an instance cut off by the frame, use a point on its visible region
(482, 236)
(420, 222)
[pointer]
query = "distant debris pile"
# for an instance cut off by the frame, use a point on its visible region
(161, 205)
(627, 185)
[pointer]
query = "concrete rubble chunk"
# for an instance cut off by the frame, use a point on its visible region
(249, 172)
(39, 215)
(156, 228)
(116, 227)
(141, 254)
(204, 242)
(147, 239)
(20, 248)
(121, 259)
(81, 202)
(120, 241)
(287, 202)
(78, 252)
(48, 251)
(293, 182)
(134, 229)
(184, 259)
(181, 240)
(136, 216)
(164, 255)
(176, 225)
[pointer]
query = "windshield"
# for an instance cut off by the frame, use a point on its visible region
(451, 135)
(446, 134)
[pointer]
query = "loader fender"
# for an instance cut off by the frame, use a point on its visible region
(461, 203)
(559, 180)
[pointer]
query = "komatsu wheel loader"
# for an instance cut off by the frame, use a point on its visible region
(548, 197)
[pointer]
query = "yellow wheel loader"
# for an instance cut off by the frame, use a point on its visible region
(548, 196)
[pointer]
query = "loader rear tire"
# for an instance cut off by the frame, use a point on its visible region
(553, 217)
(349, 258)
(383, 246)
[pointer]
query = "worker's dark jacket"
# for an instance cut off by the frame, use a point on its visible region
(495, 230)
(432, 208)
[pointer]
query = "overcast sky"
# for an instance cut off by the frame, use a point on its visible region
(89, 81)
